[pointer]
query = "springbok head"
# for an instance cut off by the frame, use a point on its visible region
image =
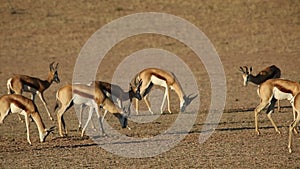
(123, 118)
(53, 72)
(48, 131)
(187, 101)
(246, 72)
(136, 90)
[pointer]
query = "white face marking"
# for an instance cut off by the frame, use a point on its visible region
(245, 77)
(279, 95)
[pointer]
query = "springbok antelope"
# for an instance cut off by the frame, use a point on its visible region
(116, 94)
(91, 96)
(159, 77)
(270, 72)
(269, 92)
(294, 124)
(15, 103)
(23, 83)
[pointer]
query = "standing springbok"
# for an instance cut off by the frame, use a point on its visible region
(91, 96)
(270, 72)
(23, 83)
(15, 103)
(159, 77)
(294, 124)
(269, 92)
(116, 94)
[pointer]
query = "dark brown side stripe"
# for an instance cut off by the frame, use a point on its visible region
(32, 85)
(19, 104)
(83, 94)
(283, 89)
(161, 77)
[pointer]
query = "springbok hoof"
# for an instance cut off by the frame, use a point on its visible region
(290, 150)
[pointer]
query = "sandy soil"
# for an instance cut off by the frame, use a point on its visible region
(254, 33)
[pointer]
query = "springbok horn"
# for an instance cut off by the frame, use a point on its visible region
(56, 66)
(246, 69)
(242, 70)
(51, 66)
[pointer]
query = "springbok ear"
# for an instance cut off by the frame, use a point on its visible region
(250, 69)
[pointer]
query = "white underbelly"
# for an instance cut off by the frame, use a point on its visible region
(158, 81)
(279, 95)
(15, 109)
(83, 100)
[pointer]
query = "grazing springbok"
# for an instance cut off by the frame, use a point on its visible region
(91, 96)
(159, 77)
(23, 83)
(294, 124)
(15, 103)
(270, 72)
(116, 94)
(272, 90)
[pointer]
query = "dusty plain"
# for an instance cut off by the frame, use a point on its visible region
(253, 33)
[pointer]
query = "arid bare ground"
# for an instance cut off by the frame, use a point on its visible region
(257, 33)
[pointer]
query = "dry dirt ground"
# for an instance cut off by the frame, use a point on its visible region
(257, 33)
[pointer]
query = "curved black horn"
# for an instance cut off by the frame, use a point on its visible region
(242, 70)
(246, 69)
(56, 66)
(51, 66)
